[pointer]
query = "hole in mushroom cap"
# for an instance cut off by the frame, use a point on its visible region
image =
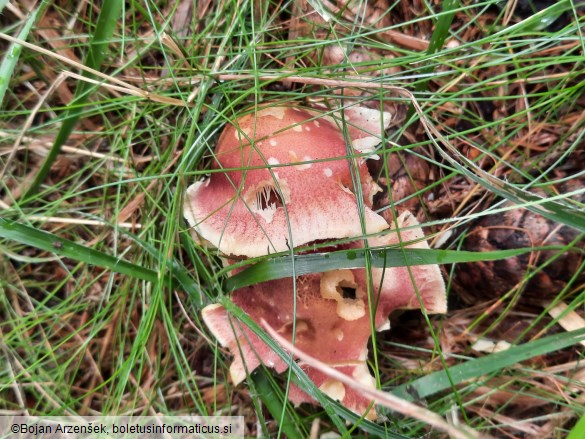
(340, 285)
(347, 291)
(265, 198)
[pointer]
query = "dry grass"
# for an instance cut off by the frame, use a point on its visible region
(505, 89)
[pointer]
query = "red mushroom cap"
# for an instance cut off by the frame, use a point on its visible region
(320, 332)
(332, 317)
(401, 287)
(285, 167)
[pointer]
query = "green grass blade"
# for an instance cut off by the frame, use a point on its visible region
(442, 26)
(105, 26)
(13, 53)
(63, 247)
(271, 396)
(280, 267)
(180, 274)
(439, 381)
(578, 431)
(438, 38)
(435, 44)
(547, 207)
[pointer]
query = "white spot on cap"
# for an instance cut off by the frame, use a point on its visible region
(339, 335)
(242, 133)
(297, 128)
(317, 124)
(277, 112)
(273, 161)
(307, 128)
(305, 166)
(328, 172)
(334, 389)
(273, 142)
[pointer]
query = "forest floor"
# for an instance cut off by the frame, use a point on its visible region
(111, 109)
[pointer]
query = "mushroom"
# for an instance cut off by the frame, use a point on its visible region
(319, 328)
(284, 173)
(286, 167)
(394, 285)
(332, 321)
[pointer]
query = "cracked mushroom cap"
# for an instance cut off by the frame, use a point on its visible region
(286, 167)
(401, 287)
(330, 327)
(332, 317)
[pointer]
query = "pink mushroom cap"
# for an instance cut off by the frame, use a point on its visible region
(286, 167)
(320, 332)
(404, 287)
(332, 319)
